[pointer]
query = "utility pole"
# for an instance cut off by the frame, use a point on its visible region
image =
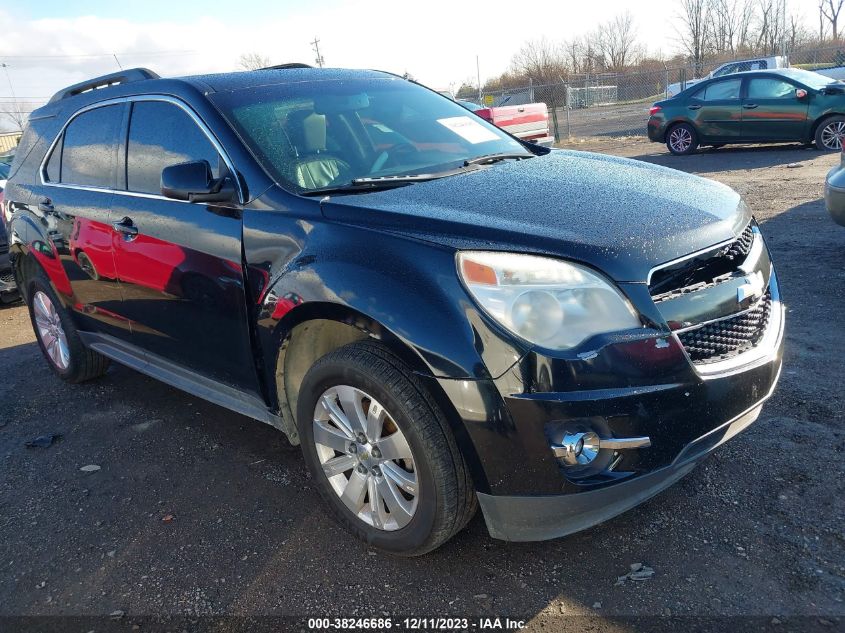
(315, 45)
(478, 74)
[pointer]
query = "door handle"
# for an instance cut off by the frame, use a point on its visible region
(749, 106)
(46, 205)
(126, 226)
(694, 107)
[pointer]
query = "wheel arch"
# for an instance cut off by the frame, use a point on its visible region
(315, 330)
(820, 120)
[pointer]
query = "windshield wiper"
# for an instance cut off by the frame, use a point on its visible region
(377, 183)
(488, 159)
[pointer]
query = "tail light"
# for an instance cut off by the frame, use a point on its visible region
(654, 110)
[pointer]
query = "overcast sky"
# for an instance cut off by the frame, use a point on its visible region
(49, 44)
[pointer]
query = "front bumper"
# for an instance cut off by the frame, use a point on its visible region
(526, 493)
(523, 518)
(834, 194)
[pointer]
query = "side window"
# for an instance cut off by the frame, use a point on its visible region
(728, 89)
(162, 134)
(770, 89)
(53, 172)
(89, 150)
(726, 70)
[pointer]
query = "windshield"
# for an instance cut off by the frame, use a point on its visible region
(320, 134)
(808, 78)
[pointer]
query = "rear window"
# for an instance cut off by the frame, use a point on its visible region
(88, 149)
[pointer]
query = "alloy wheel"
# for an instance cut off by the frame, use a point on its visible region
(680, 139)
(366, 457)
(50, 330)
(833, 134)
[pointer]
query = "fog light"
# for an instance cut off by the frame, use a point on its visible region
(578, 449)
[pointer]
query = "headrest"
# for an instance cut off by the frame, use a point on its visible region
(308, 131)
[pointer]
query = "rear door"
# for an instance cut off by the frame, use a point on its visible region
(180, 262)
(716, 110)
(79, 177)
(771, 111)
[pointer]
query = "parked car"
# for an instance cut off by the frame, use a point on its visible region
(440, 315)
(8, 288)
(529, 122)
(729, 68)
(754, 107)
(743, 65)
(834, 191)
(4, 174)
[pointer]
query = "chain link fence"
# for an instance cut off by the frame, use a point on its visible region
(617, 104)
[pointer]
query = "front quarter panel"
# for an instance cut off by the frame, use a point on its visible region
(302, 267)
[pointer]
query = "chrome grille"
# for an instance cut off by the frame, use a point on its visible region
(729, 337)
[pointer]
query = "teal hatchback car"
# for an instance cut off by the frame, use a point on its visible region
(789, 105)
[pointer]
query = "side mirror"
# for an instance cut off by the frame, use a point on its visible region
(800, 93)
(194, 182)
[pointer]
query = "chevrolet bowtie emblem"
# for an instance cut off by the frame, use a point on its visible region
(751, 290)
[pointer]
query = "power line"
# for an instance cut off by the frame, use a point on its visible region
(90, 55)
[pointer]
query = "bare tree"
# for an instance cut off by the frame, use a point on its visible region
(695, 30)
(616, 41)
(253, 61)
(539, 60)
(830, 10)
(730, 25)
(18, 113)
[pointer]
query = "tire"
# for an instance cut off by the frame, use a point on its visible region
(682, 139)
(87, 266)
(58, 337)
(364, 373)
(830, 133)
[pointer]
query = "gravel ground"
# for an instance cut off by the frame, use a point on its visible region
(196, 511)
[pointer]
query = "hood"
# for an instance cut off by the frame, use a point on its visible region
(621, 216)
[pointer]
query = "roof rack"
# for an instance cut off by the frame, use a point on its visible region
(123, 77)
(286, 66)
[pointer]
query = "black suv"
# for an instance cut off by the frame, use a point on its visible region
(441, 315)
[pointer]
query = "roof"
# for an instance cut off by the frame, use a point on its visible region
(248, 79)
(137, 81)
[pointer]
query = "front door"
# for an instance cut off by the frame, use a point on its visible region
(771, 111)
(179, 263)
(716, 110)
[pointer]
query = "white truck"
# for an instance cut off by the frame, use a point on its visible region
(758, 63)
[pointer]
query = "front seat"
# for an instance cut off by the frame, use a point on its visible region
(314, 168)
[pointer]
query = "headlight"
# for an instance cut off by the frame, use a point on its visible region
(548, 302)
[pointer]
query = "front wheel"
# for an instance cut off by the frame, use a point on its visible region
(830, 133)
(380, 451)
(682, 139)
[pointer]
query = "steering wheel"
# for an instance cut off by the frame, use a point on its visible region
(392, 153)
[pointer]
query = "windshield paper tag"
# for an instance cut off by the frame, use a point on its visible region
(468, 129)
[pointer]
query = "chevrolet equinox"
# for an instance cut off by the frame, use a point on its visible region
(442, 316)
